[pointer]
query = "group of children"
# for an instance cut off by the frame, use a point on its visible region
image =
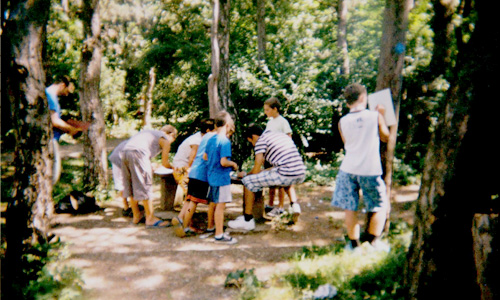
(202, 167)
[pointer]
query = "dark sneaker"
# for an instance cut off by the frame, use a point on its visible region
(208, 233)
(127, 212)
(225, 239)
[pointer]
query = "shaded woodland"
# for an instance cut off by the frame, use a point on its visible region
(146, 63)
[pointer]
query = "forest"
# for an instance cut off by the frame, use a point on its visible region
(142, 64)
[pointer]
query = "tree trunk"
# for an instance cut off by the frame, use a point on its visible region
(261, 30)
(30, 206)
(94, 145)
(390, 74)
(456, 184)
(148, 102)
(342, 37)
(218, 82)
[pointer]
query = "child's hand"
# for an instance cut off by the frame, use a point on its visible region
(242, 174)
(235, 167)
(380, 108)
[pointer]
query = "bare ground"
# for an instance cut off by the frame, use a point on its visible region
(120, 260)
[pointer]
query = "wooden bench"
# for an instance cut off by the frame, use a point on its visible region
(258, 204)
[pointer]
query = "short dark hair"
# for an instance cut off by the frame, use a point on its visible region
(206, 125)
(273, 102)
(253, 129)
(65, 79)
(353, 91)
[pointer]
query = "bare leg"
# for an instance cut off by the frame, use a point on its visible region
(290, 191)
(272, 193)
(185, 207)
(351, 222)
(188, 215)
(219, 218)
(137, 216)
(249, 200)
(377, 223)
(281, 197)
(124, 200)
(210, 215)
(149, 212)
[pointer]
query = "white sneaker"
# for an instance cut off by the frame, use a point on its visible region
(276, 212)
(295, 212)
(240, 223)
(380, 246)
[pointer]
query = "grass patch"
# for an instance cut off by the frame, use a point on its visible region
(355, 275)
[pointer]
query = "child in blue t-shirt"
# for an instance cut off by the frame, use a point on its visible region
(219, 165)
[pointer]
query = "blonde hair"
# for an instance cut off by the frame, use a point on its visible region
(169, 129)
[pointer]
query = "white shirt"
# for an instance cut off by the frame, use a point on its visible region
(279, 124)
(361, 143)
(181, 158)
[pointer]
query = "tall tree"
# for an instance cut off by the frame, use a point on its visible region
(342, 36)
(30, 205)
(94, 143)
(458, 186)
(218, 82)
(148, 99)
(261, 30)
(219, 92)
(390, 70)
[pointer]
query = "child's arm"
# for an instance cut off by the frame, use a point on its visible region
(341, 135)
(192, 155)
(383, 130)
(257, 165)
(165, 151)
(228, 163)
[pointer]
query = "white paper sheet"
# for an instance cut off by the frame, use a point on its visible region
(163, 171)
(383, 97)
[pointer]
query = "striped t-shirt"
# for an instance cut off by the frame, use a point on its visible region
(280, 151)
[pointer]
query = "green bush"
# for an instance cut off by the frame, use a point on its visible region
(366, 275)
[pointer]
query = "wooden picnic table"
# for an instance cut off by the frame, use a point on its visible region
(169, 188)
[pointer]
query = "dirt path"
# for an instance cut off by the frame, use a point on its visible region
(124, 261)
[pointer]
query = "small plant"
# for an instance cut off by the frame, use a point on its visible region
(246, 281)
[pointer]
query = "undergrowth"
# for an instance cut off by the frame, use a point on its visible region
(356, 276)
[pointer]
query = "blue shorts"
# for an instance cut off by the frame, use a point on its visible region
(220, 194)
(346, 195)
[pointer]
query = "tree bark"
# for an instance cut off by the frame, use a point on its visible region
(261, 30)
(342, 37)
(456, 184)
(148, 102)
(392, 51)
(94, 144)
(30, 205)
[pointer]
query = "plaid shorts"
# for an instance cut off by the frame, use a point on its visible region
(267, 178)
(346, 194)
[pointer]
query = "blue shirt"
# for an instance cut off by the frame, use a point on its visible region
(54, 105)
(218, 147)
(199, 166)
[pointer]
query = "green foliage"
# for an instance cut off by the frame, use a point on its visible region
(71, 179)
(245, 280)
(322, 172)
(367, 275)
(48, 278)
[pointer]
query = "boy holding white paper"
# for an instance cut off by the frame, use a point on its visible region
(361, 131)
